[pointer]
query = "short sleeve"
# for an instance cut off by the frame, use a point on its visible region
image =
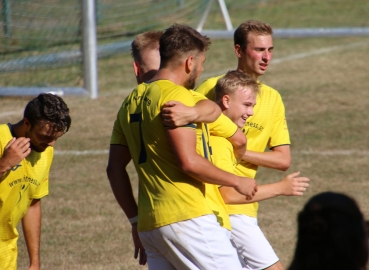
(223, 127)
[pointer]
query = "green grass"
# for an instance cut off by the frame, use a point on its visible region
(325, 96)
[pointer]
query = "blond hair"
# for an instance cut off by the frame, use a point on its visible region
(145, 41)
(230, 83)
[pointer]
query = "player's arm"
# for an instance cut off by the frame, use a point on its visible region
(239, 141)
(278, 158)
(183, 141)
(224, 127)
(31, 225)
(119, 157)
(176, 114)
(15, 151)
(291, 185)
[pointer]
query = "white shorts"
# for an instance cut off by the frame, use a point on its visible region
(198, 243)
(254, 250)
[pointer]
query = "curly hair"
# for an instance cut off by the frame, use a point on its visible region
(48, 108)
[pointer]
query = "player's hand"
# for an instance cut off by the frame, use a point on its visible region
(139, 249)
(292, 185)
(247, 187)
(176, 114)
(16, 150)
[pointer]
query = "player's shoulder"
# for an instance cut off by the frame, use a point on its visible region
(268, 92)
(208, 83)
(5, 133)
(267, 88)
(4, 128)
(197, 96)
(48, 153)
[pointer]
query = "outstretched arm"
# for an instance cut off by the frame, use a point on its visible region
(176, 114)
(119, 157)
(291, 185)
(279, 158)
(31, 225)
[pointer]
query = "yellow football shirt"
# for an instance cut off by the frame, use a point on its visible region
(266, 128)
(18, 187)
(166, 193)
(224, 128)
(223, 157)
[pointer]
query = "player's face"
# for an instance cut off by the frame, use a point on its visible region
(241, 106)
(196, 71)
(258, 54)
(42, 135)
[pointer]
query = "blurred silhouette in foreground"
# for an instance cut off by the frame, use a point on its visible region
(332, 234)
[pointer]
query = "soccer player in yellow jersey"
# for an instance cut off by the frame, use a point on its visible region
(175, 224)
(145, 53)
(236, 95)
(253, 46)
(26, 153)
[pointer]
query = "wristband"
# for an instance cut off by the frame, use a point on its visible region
(133, 220)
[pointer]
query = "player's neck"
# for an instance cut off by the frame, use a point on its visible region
(244, 70)
(19, 129)
(171, 75)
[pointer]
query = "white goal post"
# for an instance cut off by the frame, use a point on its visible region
(88, 56)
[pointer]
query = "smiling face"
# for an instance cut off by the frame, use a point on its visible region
(239, 105)
(42, 135)
(254, 60)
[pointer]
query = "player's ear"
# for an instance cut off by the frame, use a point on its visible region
(189, 64)
(27, 123)
(136, 68)
(238, 50)
(225, 101)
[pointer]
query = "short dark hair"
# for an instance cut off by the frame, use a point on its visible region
(48, 108)
(146, 40)
(240, 36)
(331, 234)
(179, 40)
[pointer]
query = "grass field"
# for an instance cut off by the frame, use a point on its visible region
(326, 100)
(323, 83)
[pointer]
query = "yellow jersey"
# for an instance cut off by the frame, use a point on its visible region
(266, 128)
(220, 129)
(18, 187)
(166, 194)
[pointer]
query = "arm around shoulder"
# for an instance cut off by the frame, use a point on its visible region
(176, 114)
